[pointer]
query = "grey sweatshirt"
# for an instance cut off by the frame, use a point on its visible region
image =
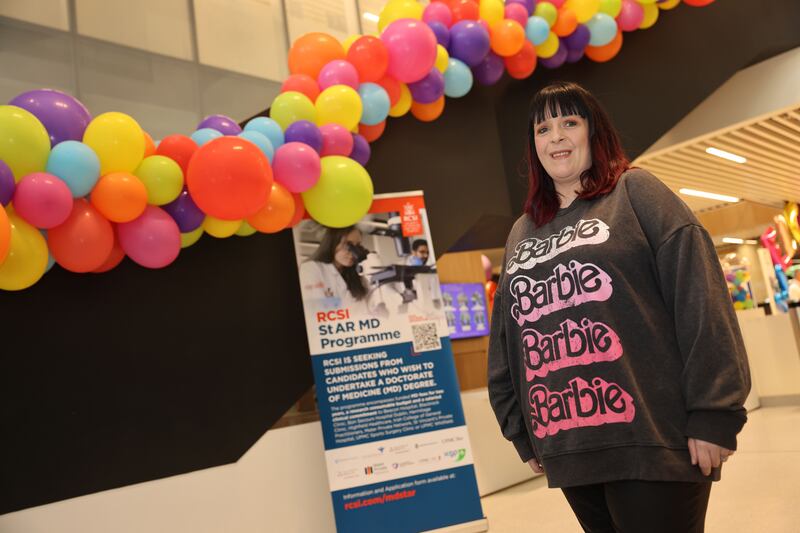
(614, 339)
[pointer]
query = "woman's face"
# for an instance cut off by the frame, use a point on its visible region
(342, 257)
(562, 145)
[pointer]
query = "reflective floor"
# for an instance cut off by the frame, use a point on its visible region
(759, 491)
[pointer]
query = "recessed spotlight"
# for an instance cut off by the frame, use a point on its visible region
(725, 155)
(372, 17)
(710, 195)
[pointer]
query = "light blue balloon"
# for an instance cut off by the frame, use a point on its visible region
(261, 141)
(536, 30)
(268, 128)
(203, 135)
(602, 28)
(76, 164)
(376, 103)
(457, 78)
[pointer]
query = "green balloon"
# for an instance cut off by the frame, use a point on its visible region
(343, 194)
(24, 143)
(611, 7)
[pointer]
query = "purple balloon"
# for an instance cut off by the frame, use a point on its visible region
(428, 89)
(556, 60)
(221, 123)
(469, 42)
(62, 115)
(573, 56)
(578, 39)
(361, 150)
(441, 32)
(185, 212)
(527, 4)
(306, 132)
(7, 184)
(490, 70)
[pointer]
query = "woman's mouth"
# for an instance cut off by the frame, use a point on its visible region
(561, 154)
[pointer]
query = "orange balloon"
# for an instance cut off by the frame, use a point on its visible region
(149, 145)
(302, 84)
(278, 212)
(523, 63)
(566, 23)
(370, 57)
(5, 234)
(84, 241)
(428, 112)
(601, 54)
(313, 51)
(506, 37)
(119, 196)
(299, 209)
(372, 133)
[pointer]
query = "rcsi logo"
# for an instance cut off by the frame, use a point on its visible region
(456, 455)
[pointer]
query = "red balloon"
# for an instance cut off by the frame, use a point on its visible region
(523, 63)
(84, 241)
(392, 87)
(697, 3)
(302, 83)
(372, 133)
(114, 258)
(464, 10)
(179, 148)
(229, 178)
(299, 210)
(5, 234)
(370, 57)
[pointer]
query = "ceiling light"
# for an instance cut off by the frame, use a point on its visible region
(732, 240)
(725, 155)
(372, 17)
(709, 195)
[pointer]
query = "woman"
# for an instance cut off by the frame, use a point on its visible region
(616, 365)
(330, 276)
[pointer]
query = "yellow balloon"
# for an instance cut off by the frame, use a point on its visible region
(27, 256)
(191, 237)
(245, 230)
(548, 12)
(611, 7)
(584, 9)
(646, 1)
(399, 9)
(290, 107)
(219, 228)
(347, 43)
(343, 194)
(549, 47)
(403, 105)
(118, 141)
(492, 11)
(669, 4)
(24, 143)
(650, 16)
(162, 177)
(442, 58)
(339, 104)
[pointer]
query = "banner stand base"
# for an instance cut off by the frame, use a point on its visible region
(476, 526)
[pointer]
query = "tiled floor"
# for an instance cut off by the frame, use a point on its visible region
(759, 491)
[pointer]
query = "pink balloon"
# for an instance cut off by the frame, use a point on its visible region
(336, 140)
(412, 49)
(630, 16)
(438, 12)
(517, 12)
(338, 72)
(43, 200)
(485, 26)
(296, 166)
(153, 240)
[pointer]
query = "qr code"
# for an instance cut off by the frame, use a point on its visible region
(426, 337)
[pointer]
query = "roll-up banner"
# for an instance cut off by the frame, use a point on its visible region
(396, 445)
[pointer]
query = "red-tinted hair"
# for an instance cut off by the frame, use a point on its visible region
(608, 159)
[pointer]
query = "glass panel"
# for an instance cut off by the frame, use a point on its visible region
(50, 13)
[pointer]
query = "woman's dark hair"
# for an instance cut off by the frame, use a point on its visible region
(608, 159)
(325, 253)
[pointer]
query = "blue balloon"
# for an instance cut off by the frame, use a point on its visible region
(203, 135)
(376, 103)
(536, 30)
(603, 29)
(260, 140)
(457, 79)
(267, 127)
(76, 164)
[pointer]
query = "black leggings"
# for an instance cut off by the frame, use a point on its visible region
(640, 506)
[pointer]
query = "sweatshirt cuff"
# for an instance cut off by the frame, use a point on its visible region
(718, 427)
(524, 449)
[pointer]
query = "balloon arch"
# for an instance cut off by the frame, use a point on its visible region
(85, 191)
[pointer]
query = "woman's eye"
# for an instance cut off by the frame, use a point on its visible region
(541, 131)
(571, 123)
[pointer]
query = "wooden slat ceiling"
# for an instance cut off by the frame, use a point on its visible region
(771, 175)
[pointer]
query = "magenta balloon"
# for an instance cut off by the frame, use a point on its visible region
(529, 5)
(338, 72)
(153, 240)
(517, 12)
(62, 115)
(412, 49)
(43, 200)
(630, 15)
(223, 124)
(336, 140)
(438, 12)
(296, 166)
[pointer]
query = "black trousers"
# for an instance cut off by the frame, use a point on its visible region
(640, 506)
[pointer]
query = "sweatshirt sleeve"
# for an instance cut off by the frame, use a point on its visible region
(716, 378)
(502, 388)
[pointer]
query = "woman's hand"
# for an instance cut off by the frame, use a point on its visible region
(707, 455)
(536, 466)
